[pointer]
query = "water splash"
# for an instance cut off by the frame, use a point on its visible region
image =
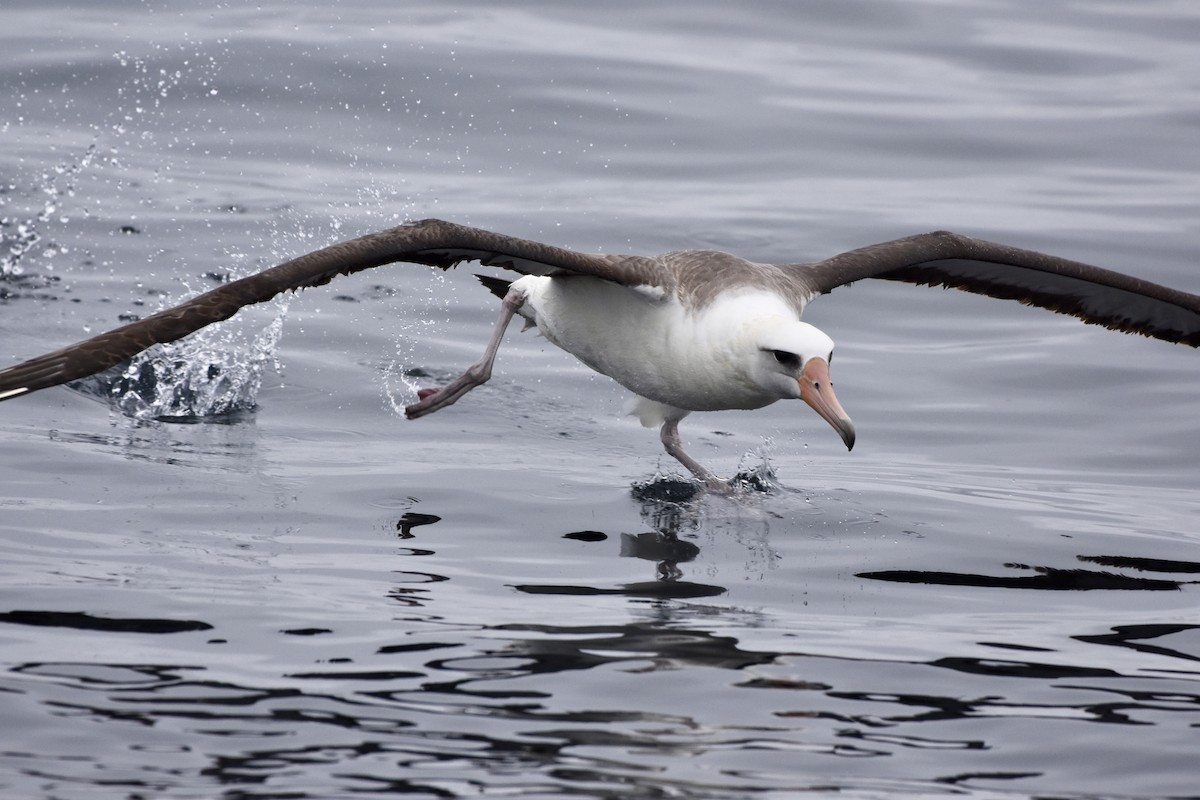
(422, 316)
(755, 472)
(212, 375)
(760, 478)
(400, 384)
(128, 127)
(18, 236)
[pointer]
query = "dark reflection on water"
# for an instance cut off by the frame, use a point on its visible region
(1134, 636)
(657, 546)
(412, 520)
(1047, 578)
(557, 649)
(492, 716)
(662, 695)
(672, 507)
(1144, 564)
(665, 588)
(89, 622)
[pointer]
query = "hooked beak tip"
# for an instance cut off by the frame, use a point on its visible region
(845, 429)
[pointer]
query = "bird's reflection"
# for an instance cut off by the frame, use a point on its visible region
(669, 506)
(412, 520)
(668, 516)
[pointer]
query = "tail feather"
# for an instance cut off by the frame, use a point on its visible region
(497, 286)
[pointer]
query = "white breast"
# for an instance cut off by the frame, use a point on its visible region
(693, 360)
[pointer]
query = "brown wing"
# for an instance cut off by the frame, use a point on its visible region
(1095, 295)
(432, 242)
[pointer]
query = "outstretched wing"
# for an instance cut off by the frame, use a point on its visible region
(1095, 295)
(432, 242)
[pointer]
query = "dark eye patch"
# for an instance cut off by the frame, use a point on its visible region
(787, 359)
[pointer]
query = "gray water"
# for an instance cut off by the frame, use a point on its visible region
(992, 596)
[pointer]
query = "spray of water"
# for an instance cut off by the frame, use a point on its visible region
(217, 372)
(211, 375)
(20, 235)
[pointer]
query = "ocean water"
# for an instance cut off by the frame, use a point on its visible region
(298, 593)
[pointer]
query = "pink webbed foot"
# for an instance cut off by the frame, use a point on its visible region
(427, 401)
(432, 398)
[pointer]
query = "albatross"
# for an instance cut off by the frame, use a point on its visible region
(689, 330)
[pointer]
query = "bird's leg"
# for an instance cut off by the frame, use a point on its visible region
(433, 398)
(669, 433)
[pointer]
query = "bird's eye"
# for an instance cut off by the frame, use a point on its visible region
(786, 358)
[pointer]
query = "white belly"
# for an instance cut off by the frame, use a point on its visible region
(651, 346)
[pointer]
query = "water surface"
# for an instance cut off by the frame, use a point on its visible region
(991, 596)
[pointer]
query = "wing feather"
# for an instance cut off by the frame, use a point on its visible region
(1090, 293)
(432, 242)
(1093, 294)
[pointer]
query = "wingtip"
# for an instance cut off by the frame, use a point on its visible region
(11, 393)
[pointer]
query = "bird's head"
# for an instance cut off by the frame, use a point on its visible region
(793, 362)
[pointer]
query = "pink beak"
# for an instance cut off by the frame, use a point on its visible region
(817, 390)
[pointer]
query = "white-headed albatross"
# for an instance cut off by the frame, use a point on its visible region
(692, 330)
